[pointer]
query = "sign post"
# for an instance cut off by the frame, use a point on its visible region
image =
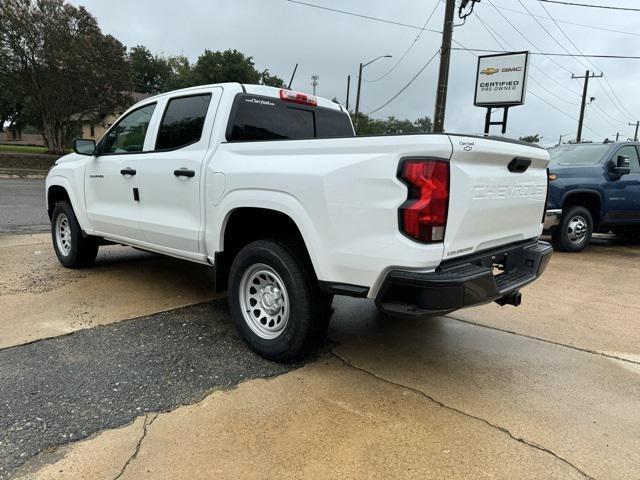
(501, 82)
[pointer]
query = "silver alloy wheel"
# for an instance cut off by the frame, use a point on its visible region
(577, 229)
(264, 301)
(63, 234)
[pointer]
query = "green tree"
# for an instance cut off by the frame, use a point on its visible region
(221, 67)
(228, 66)
(181, 72)
(67, 68)
(271, 80)
(152, 74)
(391, 126)
(531, 138)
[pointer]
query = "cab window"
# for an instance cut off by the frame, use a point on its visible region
(259, 118)
(632, 152)
(183, 121)
(128, 135)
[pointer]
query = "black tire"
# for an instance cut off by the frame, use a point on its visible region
(308, 309)
(575, 230)
(77, 250)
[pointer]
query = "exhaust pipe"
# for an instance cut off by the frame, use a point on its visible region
(514, 298)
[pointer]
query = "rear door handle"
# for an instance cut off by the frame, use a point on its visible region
(519, 165)
(183, 172)
(128, 171)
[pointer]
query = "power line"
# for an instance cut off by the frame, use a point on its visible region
(407, 85)
(502, 44)
(607, 7)
(525, 38)
(567, 22)
(469, 50)
(563, 112)
(583, 64)
(622, 110)
(549, 33)
(410, 46)
(548, 54)
(353, 14)
(492, 31)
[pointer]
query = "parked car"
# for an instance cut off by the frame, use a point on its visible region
(593, 188)
(272, 189)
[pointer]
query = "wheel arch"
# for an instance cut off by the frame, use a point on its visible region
(59, 188)
(590, 199)
(245, 224)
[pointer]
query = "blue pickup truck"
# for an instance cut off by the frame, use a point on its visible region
(593, 188)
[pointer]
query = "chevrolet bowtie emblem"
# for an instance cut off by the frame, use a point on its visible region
(490, 71)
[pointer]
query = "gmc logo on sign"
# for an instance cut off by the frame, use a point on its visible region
(511, 69)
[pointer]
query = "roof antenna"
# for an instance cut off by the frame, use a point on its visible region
(292, 77)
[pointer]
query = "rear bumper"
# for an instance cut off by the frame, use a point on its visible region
(464, 282)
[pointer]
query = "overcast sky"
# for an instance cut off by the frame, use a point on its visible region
(278, 34)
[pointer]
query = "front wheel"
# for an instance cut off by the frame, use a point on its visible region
(72, 247)
(276, 302)
(575, 230)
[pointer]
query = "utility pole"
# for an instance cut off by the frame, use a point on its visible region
(314, 83)
(637, 125)
(586, 78)
(445, 61)
(348, 90)
(358, 94)
(362, 66)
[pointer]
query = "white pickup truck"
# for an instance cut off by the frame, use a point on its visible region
(272, 189)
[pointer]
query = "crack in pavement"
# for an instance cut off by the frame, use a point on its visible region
(550, 342)
(462, 412)
(147, 423)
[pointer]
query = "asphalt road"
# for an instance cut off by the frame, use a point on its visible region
(22, 206)
(548, 390)
(64, 389)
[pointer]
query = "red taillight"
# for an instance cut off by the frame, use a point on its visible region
(297, 97)
(423, 216)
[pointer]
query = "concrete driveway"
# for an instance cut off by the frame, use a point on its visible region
(548, 390)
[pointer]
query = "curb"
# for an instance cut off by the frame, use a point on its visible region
(30, 173)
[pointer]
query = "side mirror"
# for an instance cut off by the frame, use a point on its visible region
(84, 147)
(623, 166)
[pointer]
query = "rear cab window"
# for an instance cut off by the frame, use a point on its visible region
(183, 121)
(261, 118)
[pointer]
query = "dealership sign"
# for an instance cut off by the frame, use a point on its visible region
(501, 80)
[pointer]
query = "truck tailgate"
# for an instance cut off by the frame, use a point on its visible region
(491, 205)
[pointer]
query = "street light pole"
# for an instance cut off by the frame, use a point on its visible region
(362, 66)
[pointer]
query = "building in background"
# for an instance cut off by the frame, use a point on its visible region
(97, 126)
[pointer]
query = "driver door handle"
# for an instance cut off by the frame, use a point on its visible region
(183, 172)
(128, 171)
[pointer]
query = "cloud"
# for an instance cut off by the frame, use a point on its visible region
(279, 34)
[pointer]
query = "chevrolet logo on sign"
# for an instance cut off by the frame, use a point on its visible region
(490, 71)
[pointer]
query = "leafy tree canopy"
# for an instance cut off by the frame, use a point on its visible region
(66, 67)
(531, 138)
(151, 73)
(391, 126)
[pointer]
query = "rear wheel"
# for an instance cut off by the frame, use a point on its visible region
(72, 247)
(575, 230)
(276, 302)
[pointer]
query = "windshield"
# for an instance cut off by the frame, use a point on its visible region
(578, 154)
